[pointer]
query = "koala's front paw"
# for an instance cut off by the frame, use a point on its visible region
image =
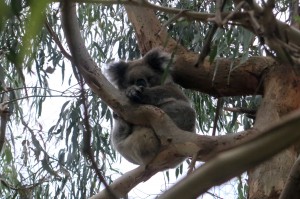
(134, 93)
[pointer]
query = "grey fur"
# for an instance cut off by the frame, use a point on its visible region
(141, 80)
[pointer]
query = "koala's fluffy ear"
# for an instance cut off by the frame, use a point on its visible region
(116, 72)
(157, 59)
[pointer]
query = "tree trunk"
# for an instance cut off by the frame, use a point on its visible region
(281, 96)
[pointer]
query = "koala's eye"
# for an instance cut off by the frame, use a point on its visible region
(141, 82)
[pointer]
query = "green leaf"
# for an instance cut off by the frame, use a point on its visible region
(8, 155)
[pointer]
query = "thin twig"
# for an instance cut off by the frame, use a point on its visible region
(174, 18)
(217, 115)
(231, 14)
(206, 46)
(57, 41)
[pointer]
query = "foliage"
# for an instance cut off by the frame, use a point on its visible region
(242, 188)
(41, 156)
(46, 161)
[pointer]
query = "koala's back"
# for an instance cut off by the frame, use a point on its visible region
(182, 114)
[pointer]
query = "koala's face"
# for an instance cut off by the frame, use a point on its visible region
(146, 72)
(142, 75)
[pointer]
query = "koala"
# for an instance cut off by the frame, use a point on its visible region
(144, 81)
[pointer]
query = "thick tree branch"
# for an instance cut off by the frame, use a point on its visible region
(243, 80)
(236, 161)
(86, 66)
(125, 183)
(218, 78)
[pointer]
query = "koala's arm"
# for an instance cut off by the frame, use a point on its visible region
(170, 99)
(157, 95)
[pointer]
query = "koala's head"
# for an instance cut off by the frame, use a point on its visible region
(147, 71)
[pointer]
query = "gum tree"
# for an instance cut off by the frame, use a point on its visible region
(218, 48)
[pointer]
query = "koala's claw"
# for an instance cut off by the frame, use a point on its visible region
(135, 93)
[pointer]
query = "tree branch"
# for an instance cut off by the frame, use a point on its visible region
(236, 161)
(4, 117)
(124, 184)
(244, 80)
(4, 113)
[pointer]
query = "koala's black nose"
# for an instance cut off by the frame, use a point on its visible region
(141, 82)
